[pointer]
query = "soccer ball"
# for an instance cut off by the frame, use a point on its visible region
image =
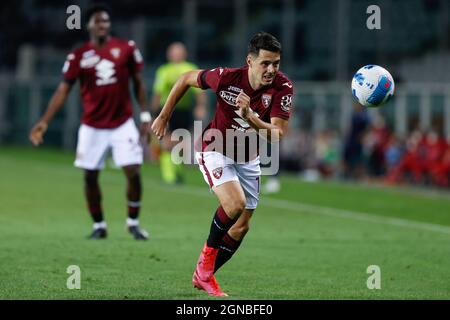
(372, 86)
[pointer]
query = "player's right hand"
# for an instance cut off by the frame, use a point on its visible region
(37, 133)
(243, 103)
(159, 127)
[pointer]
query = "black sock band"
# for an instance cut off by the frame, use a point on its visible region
(227, 248)
(133, 209)
(220, 225)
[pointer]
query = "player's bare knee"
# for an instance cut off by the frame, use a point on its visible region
(132, 172)
(235, 208)
(239, 206)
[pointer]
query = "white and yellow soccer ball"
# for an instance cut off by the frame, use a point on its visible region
(372, 86)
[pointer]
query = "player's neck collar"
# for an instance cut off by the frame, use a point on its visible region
(97, 44)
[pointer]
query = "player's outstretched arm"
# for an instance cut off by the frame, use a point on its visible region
(188, 79)
(56, 102)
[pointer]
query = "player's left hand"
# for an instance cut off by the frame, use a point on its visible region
(243, 103)
(37, 133)
(159, 127)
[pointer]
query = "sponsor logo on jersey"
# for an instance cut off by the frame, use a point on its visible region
(228, 97)
(286, 102)
(266, 100)
(89, 62)
(235, 89)
(88, 53)
(115, 52)
(105, 72)
(217, 172)
(287, 84)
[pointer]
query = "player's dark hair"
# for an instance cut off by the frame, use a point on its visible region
(97, 7)
(265, 41)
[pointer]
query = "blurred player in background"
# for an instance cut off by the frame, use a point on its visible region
(353, 162)
(103, 66)
(249, 100)
(191, 106)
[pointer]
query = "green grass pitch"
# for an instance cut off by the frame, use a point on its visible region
(311, 241)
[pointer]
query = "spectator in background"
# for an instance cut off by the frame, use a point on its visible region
(393, 152)
(191, 106)
(353, 157)
(377, 139)
(409, 167)
(327, 153)
(434, 149)
(441, 171)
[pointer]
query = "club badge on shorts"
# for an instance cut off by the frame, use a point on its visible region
(266, 99)
(217, 172)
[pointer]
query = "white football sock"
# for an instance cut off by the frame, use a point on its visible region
(100, 225)
(132, 222)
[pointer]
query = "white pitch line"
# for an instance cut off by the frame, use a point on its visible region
(355, 215)
(325, 211)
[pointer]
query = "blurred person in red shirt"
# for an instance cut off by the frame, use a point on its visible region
(410, 164)
(440, 169)
(377, 139)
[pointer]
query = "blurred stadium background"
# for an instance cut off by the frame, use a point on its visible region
(324, 43)
(320, 237)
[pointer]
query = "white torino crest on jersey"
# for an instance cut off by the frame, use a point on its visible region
(266, 99)
(115, 52)
(105, 72)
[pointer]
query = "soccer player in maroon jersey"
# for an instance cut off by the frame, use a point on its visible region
(254, 99)
(103, 66)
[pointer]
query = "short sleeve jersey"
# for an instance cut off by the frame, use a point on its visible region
(274, 100)
(104, 76)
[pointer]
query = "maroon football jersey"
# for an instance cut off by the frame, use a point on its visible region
(274, 100)
(104, 76)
